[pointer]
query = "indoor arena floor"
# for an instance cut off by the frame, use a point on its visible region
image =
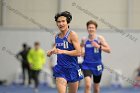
(45, 89)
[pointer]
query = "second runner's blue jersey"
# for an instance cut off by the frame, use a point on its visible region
(92, 54)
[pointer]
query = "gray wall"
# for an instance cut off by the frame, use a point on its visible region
(125, 54)
(1, 13)
(121, 13)
(11, 43)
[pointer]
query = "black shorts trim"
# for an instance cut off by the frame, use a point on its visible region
(96, 79)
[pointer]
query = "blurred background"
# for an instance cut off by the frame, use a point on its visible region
(27, 21)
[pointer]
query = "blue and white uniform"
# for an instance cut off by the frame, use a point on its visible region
(67, 66)
(92, 58)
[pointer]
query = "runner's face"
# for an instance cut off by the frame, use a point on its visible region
(91, 29)
(62, 23)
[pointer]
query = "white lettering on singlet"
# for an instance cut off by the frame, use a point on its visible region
(89, 45)
(64, 44)
(96, 50)
(59, 44)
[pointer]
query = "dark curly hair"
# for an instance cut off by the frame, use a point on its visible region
(65, 14)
